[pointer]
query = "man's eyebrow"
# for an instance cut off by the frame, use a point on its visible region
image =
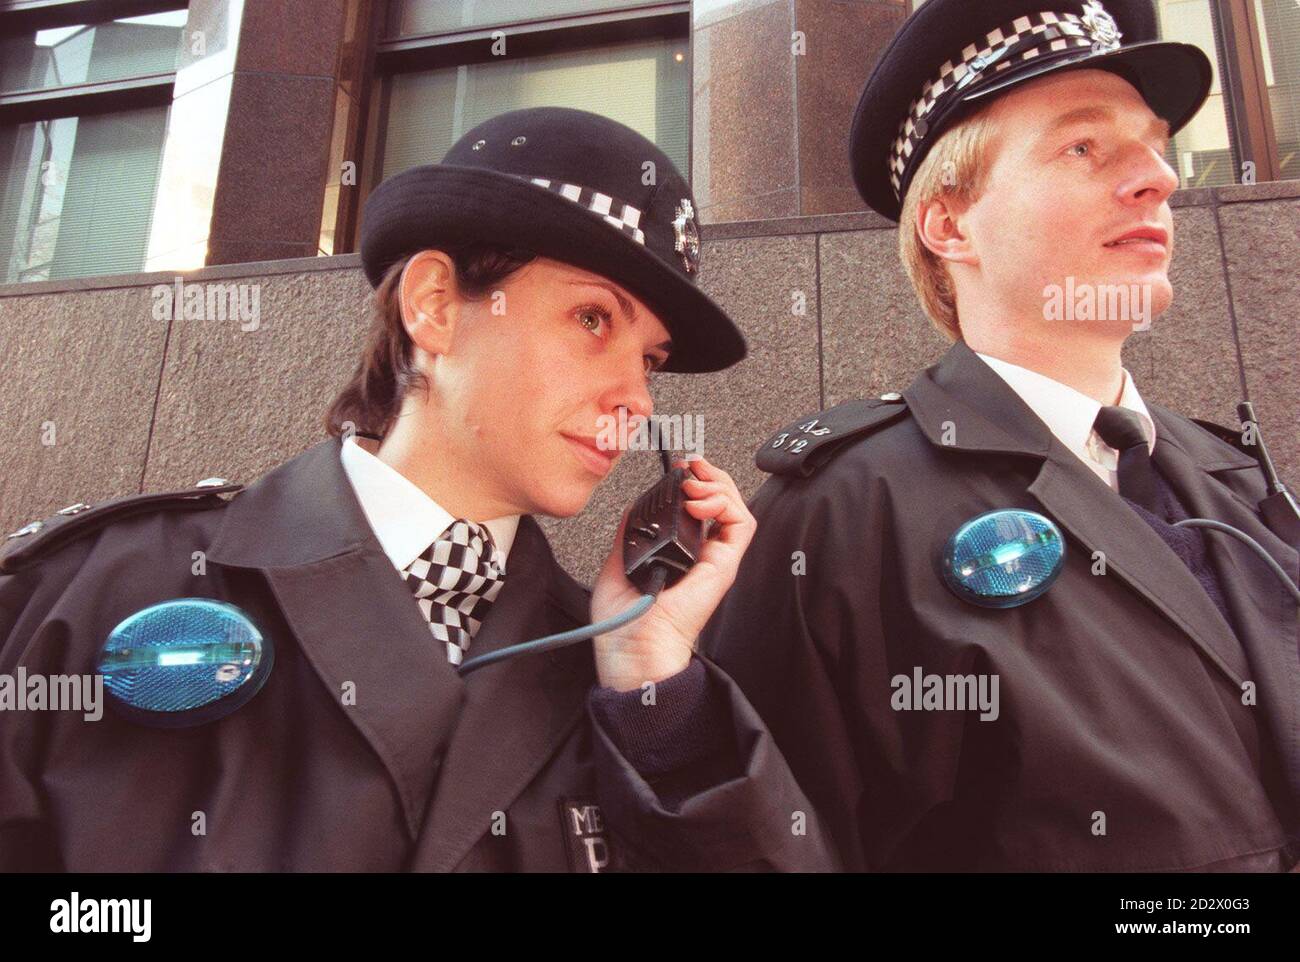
(1159, 127)
(626, 306)
(1079, 115)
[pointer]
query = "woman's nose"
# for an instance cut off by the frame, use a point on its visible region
(633, 391)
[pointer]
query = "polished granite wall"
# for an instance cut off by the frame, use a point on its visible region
(805, 62)
(258, 131)
(143, 404)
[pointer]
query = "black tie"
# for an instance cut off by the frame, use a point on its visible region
(1122, 430)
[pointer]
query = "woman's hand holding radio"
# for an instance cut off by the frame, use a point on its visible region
(659, 643)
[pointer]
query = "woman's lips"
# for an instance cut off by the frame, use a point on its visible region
(595, 460)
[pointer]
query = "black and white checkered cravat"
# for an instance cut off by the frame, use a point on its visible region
(455, 580)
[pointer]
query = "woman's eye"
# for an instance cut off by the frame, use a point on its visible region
(1081, 149)
(592, 317)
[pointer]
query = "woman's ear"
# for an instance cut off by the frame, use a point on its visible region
(430, 300)
(942, 227)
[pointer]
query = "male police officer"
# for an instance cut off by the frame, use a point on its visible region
(969, 615)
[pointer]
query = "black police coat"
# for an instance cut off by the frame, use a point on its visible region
(505, 769)
(1121, 743)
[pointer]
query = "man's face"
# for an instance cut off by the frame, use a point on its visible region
(531, 373)
(1078, 189)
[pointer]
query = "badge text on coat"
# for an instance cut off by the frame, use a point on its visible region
(585, 838)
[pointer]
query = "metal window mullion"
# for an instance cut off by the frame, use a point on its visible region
(474, 46)
(31, 106)
(563, 21)
(1245, 93)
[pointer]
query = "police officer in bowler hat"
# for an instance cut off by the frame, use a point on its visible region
(526, 288)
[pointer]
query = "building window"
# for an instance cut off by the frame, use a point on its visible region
(1278, 26)
(440, 71)
(638, 84)
(83, 116)
(433, 17)
(77, 194)
(1203, 153)
(90, 53)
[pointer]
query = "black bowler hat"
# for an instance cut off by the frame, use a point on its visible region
(950, 56)
(569, 185)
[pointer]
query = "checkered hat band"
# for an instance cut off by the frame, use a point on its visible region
(454, 581)
(1025, 38)
(613, 211)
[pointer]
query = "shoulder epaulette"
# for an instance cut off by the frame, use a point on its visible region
(804, 446)
(39, 537)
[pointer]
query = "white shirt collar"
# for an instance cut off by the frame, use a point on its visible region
(405, 519)
(1069, 414)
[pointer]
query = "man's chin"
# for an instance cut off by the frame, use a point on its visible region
(1119, 303)
(1157, 295)
(1113, 329)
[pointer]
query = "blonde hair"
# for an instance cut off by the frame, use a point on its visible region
(954, 169)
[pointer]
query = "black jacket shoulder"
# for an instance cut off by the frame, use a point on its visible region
(803, 447)
(39, 539)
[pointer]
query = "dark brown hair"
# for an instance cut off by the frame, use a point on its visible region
(373, 397)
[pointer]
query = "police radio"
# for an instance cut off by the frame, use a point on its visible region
(1278, 509)
(661, 542)
(661, 538)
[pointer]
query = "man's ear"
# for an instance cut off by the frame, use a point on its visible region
(430, 300)
(941, 225)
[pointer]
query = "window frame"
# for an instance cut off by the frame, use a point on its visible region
(1241, 70)
(83, 99)
(389, 56)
